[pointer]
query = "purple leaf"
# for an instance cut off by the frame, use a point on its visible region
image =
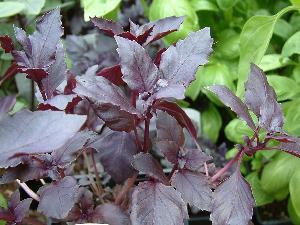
(271, 115)
(6, 43)
(156, 204)
(110, 214)
(66, 154)
(42, 57)
(107, 26)
(113, 74)
(179, 63)
(116, 151)
(35, 132)
(145, 163)
(260, 97)
(193, 159)
(290, 144)
(194, 188)
(231, 100)
(16, 209)
(170, 149)
(169, 129)
(174, 110)
(139, 72)
(162, 28)
(232, 201)
(111, 103)
(6, 104)
(61, 195)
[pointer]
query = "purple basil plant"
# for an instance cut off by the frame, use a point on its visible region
(104, 116)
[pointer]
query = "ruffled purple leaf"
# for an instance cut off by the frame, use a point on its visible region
(115, 152)
(58, 198)
(110, 102)
(107, 26)
(145, 163)
(194, 188)
(232, 202)
(156, 204)
(260, 97)
(139, 72)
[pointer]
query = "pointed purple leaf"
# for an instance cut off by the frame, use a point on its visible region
(231, 100)
(193, 159)
(139, 72)
(163, 27)
(169, 129)
(61, 195)
(35, 132)
(42, 58)
(194, 188)
(179, 63)
(157, 204)
(170, 149)
(260, 97)
(290, 144)
(113, 74)
(107, 26)
(145, 163)
(232, 202)
(116, 148)
(174, 110)
(111, 103)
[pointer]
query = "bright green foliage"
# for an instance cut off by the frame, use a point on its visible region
(260, 196)
(10, 8)
(3, 204)
(292, 213)
(164, 8)
(292, 46)
(98, 8)
(295, 191)
(277, 174)
(211, 123)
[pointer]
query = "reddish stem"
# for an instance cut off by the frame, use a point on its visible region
(127, 186)
(27, 189)
(227, 166)
(175, 167)
(96, 173)
(137, 140)
(133, 98)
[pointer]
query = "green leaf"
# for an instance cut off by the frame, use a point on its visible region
(98, 8)
(283, 29)
(226, 4)
(277, 174)
(228, 44)
(164, 8)
(236, 129)
(292, 213)
(296, 73)
(273, 61)
(295, 3)
(10, 8)
(295, 191)
(285, 88)
(292, 117)
(33, 7)
(204, 5)
(215, 73)
(3, 204)
(211, 122)
(254, 41)
(292, 45)
(260, 196)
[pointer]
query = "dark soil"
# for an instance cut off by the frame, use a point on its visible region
(276, 211)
